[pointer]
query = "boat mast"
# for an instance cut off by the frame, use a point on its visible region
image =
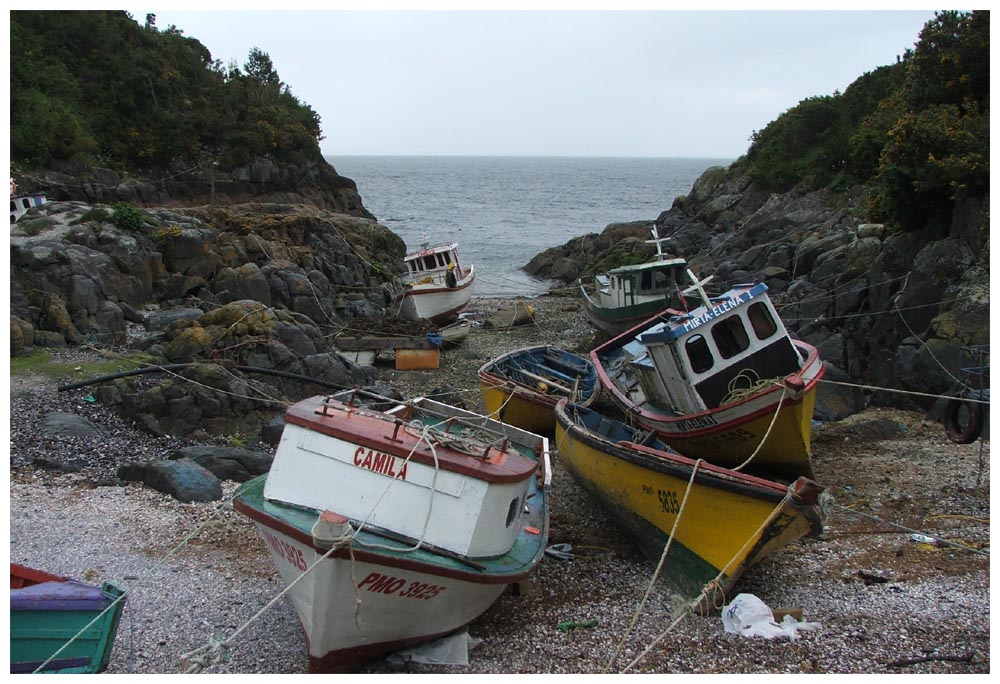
(697, 286)
(658, 241)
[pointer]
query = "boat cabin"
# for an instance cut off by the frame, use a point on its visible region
(455, 484)
(630, 285)
(432, 260)
(692, 362)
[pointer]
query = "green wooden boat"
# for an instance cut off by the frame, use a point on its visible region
(61, 625)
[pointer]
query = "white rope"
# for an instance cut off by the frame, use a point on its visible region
(659, 568)
(710, 586)
(899, 391)
(217, 650)
(774, 418)
(137, 583)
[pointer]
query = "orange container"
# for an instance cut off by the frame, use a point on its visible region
(417, 359)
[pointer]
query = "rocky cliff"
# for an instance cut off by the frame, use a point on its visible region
(886, 309)
(314, 183)
(262, 286)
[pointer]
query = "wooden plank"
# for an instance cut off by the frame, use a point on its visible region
(548, 381)
(361, 343)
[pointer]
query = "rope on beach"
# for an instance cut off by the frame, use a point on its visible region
(659, 568)
(711, 594)
(958, 545)
(217, 650)
(125, 594)
(899, 391)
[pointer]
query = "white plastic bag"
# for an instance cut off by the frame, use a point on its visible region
(452, 649)
(748, 615)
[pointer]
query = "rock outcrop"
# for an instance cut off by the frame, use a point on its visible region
(314, 183)
(250, 298)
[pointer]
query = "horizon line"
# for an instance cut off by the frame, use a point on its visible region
(526, 156)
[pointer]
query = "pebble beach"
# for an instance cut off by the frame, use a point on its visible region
(197, 572)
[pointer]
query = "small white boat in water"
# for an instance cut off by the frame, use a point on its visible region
(394, 522)
(436, 285)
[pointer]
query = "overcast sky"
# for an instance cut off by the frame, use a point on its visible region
(578, 83)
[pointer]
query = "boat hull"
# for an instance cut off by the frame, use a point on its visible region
(47, 611)
(434, 300)
(517, 400)
(729, 522)
(376, 596)
(361, 583)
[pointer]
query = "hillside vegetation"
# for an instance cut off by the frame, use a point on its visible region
(916, 133)
(96, 88)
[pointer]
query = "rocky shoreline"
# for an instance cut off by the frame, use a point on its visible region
(885, 602)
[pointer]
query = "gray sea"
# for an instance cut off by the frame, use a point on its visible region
(502, 211)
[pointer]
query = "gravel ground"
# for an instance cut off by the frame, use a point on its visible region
(885, 603)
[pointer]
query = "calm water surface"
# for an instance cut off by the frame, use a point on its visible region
(502, 211)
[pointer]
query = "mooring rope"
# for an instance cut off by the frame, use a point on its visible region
(711, 589)
(774, 419)
(132, 588)
(899, 391)
(659, 567)
(964, 547)
(216, 651)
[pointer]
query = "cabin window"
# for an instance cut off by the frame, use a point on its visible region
(429, 262)
(647, 281)
(26, 203)
(515, 506)
(761, 320)
(13, 207)
(730, 336)
(699, 354)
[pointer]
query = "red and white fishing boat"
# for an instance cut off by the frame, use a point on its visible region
(394, 523)
(722, 381)
(436, 285)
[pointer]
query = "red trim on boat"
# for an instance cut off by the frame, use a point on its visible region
(705, 465)
(368, 429)
(724, 426)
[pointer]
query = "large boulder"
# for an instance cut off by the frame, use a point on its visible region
(183, 479)
(226, 463)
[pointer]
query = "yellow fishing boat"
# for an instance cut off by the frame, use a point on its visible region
(724, 381)
(719, 522)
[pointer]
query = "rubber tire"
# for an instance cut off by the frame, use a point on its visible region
(953, 426)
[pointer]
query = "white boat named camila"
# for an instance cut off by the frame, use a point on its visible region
(394, 523)
(436, 285)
